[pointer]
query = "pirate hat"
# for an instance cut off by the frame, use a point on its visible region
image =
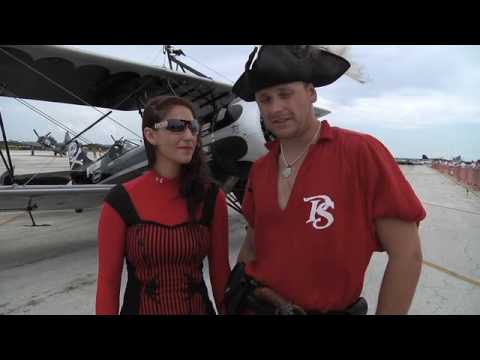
(280, 64)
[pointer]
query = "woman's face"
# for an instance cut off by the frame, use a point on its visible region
(177, 147)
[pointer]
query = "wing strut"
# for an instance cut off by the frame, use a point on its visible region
(29, 210)
(8, 165)
(88, 128)
(172, 56)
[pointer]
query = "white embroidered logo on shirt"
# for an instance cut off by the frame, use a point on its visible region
(318, 212)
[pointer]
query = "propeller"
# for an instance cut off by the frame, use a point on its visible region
(35, 131)
(119, 141)
(131, 142)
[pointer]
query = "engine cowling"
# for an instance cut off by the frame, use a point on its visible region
(236, 133)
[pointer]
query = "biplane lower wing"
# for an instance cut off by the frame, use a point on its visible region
(51, 197)
(48, 178)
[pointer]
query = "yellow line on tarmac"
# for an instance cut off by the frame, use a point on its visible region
(12, 218)
(454, 274)
(452, 208)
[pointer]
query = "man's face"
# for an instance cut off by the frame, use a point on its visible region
(286, 108)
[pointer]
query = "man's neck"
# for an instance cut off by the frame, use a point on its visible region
(297, 144)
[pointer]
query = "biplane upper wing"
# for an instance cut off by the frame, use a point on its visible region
(51, 197)
(65, 75)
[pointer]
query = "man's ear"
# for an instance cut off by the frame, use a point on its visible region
(311, 91)
(150, 136)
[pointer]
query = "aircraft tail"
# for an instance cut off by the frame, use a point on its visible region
(67, 138)
(76, 156)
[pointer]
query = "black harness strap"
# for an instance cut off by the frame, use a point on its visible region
(119, 199)
(131, 297)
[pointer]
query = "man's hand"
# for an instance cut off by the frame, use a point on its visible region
(268, 295)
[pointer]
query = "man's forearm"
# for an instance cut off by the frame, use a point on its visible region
(398, 285)
(247, 252)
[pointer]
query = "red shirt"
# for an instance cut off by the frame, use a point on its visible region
(316, 251)
(155, 199)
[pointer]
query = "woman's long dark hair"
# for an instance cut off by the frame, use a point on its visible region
(194, 176)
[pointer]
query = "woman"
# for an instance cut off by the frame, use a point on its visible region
(164, 223)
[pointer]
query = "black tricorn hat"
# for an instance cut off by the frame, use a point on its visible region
(280, 64)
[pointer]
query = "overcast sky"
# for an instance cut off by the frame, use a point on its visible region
(417, 100)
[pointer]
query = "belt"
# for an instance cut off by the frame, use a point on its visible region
(359, 307)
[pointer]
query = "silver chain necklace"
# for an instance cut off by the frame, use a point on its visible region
(287, 172)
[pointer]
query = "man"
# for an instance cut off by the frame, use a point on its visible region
(321, 201)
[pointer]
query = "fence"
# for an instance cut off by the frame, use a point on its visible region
(467, 175)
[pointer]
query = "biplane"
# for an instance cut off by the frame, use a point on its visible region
(232, 130)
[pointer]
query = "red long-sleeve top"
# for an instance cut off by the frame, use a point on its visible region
(158, 200)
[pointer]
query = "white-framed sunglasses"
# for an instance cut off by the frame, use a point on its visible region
(178, 125)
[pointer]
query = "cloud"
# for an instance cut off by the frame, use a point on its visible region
(449, 69)
(407, 109)
(411, 88)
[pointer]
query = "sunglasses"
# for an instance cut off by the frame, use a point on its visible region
(179, 125)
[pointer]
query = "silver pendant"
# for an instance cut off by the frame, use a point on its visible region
(287, 172)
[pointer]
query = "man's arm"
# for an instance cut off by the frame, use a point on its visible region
(247, 252)
(401, 241)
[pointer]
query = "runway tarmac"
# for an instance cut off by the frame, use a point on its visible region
(52, 269)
